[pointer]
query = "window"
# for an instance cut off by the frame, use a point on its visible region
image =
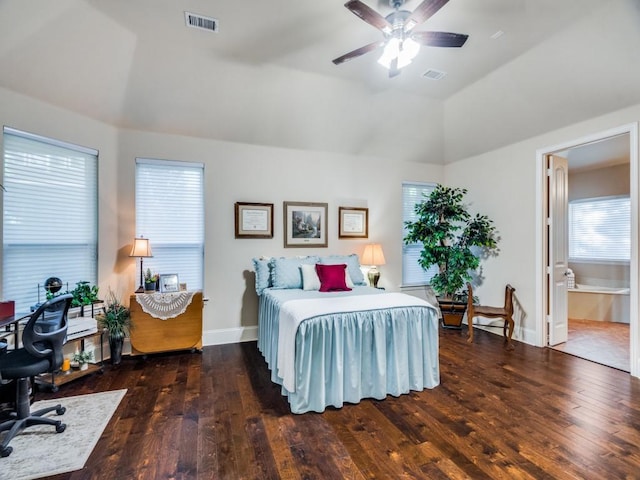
(50, 217)
(412, 272)
(170, 213)
(600, 229)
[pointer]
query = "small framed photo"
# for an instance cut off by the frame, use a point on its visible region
(169, 283)
(254, 220)
(353, 222)
(305, 224)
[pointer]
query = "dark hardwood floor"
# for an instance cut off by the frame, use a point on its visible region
(528, 413)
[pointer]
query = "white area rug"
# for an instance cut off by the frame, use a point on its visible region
(39, 451)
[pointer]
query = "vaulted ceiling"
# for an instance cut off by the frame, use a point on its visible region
(266, 76)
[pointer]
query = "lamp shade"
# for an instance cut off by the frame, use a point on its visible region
(372, 255)
(141, 248)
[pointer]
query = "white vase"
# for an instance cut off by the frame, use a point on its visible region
(84, 366)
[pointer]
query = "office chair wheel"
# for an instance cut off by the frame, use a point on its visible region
(60, 427)
(6, 451)
(61, 410)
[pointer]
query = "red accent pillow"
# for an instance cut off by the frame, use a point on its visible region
(332, 277)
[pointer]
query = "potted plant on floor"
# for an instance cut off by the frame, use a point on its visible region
(448, 234)
(116, 319)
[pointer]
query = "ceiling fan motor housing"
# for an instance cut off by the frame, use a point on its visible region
(397, 21)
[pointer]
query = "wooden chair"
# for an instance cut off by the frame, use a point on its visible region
(505, 313)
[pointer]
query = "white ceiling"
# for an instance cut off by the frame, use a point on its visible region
(267, 77)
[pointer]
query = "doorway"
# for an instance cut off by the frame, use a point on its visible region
(591, 154)
(598, 271)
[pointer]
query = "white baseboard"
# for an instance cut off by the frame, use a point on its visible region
(229, 335)
(520, 334)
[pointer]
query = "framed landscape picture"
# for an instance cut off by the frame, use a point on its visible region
(353, 222)
(305, 224)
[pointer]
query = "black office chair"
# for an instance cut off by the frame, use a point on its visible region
(42, 340)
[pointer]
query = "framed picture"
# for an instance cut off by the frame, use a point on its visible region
(305, 224)
(353, 222)
(254, 220)
(169, 283)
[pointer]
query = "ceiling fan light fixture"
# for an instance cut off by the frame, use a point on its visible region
(404, 50)
(401, 44)
(390, 51)
(410, 48)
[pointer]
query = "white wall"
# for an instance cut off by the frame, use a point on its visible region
(236, 172)
(24, 113)
(233, 172)
(502, 184)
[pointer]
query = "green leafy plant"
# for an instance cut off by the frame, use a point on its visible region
(150, 277)
(448, 233)
(84, 294)
(82, 357)
(116, 318)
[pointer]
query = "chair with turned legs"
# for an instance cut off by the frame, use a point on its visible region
(505, 312)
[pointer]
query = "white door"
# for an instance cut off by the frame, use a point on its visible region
(558, 238)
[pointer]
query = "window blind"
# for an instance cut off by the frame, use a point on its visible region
(50, 216)
(600, 229)
(170, 213)
(412, 272)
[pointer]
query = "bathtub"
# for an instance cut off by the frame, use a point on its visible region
(606, 304)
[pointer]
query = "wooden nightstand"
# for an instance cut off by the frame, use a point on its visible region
(152, 335)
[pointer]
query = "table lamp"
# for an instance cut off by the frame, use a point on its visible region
(141, 248)
(373, 256)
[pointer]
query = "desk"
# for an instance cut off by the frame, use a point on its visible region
(11, 326)
(150, 334)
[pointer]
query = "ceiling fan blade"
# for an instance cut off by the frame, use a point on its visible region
(357, 52)
(440, 39)
(423, 12)
(369, 15)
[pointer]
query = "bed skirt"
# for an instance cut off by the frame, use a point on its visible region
(350, 356)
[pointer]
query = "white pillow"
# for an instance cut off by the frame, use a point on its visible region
(311, 281)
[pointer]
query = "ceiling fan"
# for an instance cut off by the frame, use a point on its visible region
(401, 44)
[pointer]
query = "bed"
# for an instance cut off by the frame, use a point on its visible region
(340, 345)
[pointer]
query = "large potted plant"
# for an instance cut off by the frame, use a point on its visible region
(454, 240)
(116, 320)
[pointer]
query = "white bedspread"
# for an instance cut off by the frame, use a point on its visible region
(293, 312)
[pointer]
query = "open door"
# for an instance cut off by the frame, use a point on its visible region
(558, 240)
